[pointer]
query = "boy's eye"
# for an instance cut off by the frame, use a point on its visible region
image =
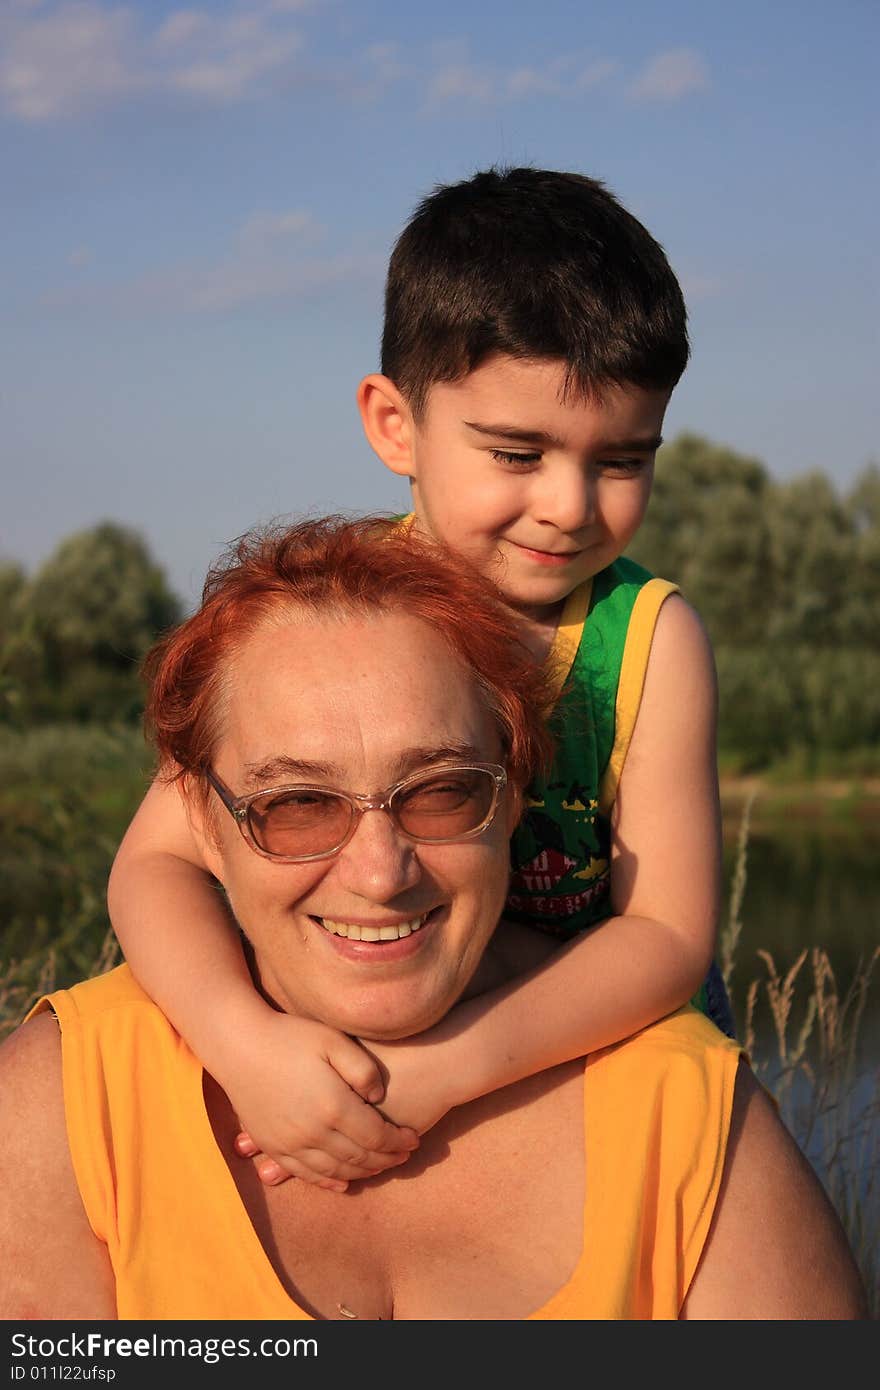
(517, 460)
(624, 467)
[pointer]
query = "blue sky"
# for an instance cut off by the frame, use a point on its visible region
(198, 204)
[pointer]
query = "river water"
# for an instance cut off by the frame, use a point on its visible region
(805, 886)
(817, 885)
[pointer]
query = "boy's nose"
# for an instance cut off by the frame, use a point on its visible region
(379, 862)
(566, 500)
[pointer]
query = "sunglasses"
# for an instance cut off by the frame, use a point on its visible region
(301, 822)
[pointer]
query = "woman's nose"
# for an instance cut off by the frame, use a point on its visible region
(379, 862)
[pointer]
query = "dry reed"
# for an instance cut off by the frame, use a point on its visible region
(819, 1070)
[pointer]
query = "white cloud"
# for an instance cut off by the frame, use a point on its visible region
(459, 79)
(369, 74)
(461, 82)
(272, 260)
(593, 74)
(384, 63)
(222, 58)
(284, 6)
(63, 58)
(670, 76)
(79, 54)
(181, 28)
(264, 231)
(696, 286)
(237, 285)
(380, 53)
(527, 82)
(228, 286)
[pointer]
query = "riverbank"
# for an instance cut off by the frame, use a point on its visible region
(845, 802)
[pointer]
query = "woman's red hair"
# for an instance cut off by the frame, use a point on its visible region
(332, 567)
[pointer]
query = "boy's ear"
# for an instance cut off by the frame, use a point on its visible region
(387, 422)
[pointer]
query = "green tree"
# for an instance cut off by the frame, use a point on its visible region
(17, 651)
(786, 576)
(94, 608)
(707, 528)
(811, 552)
(12, 582)
(859, 617)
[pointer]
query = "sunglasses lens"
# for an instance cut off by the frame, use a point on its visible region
(308, 822)
(445, 805)
(300, 822)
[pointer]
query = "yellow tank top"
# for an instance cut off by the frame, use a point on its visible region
(158, 1192)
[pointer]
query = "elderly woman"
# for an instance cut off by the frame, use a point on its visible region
(353, 723)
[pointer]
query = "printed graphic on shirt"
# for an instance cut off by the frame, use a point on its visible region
(560, 853)
(559, 860)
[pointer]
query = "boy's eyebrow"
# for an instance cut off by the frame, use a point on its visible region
(513, 432)
(650, 445)
(523, 436)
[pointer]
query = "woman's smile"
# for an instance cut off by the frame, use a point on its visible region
(379, 942)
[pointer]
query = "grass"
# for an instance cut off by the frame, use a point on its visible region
(68, 794)
(806, 1039)
(806, 764)
(824, 1097)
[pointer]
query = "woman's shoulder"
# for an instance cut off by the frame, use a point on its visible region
(776, 1248)
(54, 1268)
(88, 999)
(685, 1036)
(672, 1084)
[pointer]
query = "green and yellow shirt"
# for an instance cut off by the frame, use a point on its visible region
(561, 849)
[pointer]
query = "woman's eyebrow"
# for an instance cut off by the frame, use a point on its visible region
(434, 755)
(283, 768)
(275, 771)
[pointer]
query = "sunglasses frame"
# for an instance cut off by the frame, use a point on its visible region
(239, 807)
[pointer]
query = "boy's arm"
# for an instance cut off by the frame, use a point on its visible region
(301, 1089)
(652, 955)
(53, 1264)
(176, 930)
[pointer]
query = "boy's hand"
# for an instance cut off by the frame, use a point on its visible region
(431, 1073)
(418, 1086)
(309, 1108)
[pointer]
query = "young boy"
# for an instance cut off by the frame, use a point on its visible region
(534, 332)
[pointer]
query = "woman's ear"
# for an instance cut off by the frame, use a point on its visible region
(388, 423)
(201, 816)
(514, 806)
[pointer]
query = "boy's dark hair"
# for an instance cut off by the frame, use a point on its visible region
(531, 263)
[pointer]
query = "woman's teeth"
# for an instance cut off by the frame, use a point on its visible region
(359, 933)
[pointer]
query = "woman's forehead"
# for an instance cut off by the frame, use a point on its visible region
(371, 689)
